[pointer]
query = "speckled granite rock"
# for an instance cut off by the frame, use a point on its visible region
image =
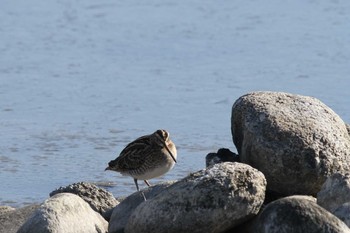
(296, 141)
(211, 200)
(99, 199)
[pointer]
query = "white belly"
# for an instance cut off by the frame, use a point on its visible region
(155, 172)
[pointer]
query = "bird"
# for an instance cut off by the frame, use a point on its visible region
(147, 157)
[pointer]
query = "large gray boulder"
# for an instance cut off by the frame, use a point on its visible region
(122, 212)
(211, 200)
(296, 141)
(65, 213)
(298, 214)
(334, 192)
(12, 219)
(99, 199)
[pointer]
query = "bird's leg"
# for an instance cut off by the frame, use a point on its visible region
(148, 184)
(137, 187)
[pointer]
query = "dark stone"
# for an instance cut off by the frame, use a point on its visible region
(246, 227)
(298, 214)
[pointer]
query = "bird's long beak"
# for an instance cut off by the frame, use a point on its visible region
(172, 156)
(107, 168)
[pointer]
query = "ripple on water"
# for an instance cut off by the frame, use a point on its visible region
(8, 164)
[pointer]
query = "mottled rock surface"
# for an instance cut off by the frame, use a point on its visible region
(122, 212)
(348, 128)
(296, 141)
(211, 200)
(223, 155)
(99, 199)
(5, 209)
(343, 213)
(334, 192)
(65, 212)
(298, 214)
(12, 219)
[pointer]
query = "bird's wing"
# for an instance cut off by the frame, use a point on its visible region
(134, 154)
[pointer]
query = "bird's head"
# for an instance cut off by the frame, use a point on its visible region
(161, 135)
(111, 165)
(161, 138)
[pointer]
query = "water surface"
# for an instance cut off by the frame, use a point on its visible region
(81, 79)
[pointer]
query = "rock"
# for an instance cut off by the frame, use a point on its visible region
(211, 200)
(65, 212)
(298, 214)
(12, 219)
(348, 128)
(5, 209)
(223, 155)
(122, 212)
(343, 213)
(334, 192)
(99, 199)
(335, 196)
(246, 227)
(296, 141)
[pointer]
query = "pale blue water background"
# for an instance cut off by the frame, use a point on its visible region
(80, 79)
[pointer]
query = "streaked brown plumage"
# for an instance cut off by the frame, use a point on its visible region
(147, 157)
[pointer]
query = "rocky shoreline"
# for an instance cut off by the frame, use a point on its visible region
(291, 174)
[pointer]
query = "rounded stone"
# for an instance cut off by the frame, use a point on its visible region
(64, 212)
(298, 214)
(296, 141)
(211, 200)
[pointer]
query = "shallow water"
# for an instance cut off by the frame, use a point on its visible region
(79, 80)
